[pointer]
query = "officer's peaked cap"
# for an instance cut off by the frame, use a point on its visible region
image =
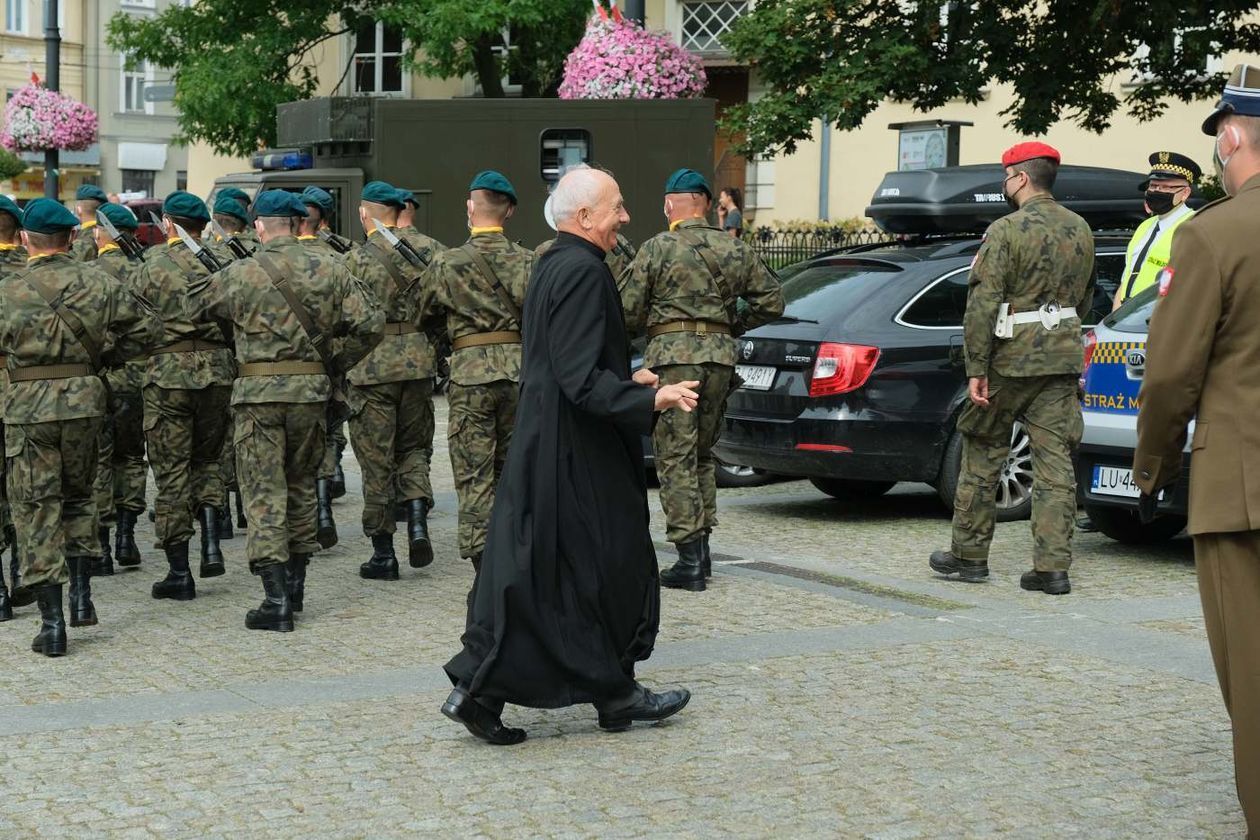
(1241, 96)
(1172, 165)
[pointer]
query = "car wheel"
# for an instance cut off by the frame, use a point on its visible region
(729, 475)
(1014, 491)
(838, 488)
(1124, 526)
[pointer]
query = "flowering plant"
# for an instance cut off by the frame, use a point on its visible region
(37, 118)
(618, 59)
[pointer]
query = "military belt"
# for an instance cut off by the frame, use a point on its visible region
(33, 373)
(483, 339)
(694, 327)
(282, 369)
(400, 328)
(4, 360)
(191, 345)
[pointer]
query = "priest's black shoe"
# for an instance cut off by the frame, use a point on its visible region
(640, 704)
(325, 525)
(19, 595)
(706, 559)
(82, 611)
(51, 639)
(103, 566)
(275, 612)
(480, 721)
(419, 549)
(178, 585)
(945, 563)
(1051, 583)
(382, 565)
(225, 523)
(6, 608)
(296, 580)
(211, 554)
(688, 572)
(126, 552)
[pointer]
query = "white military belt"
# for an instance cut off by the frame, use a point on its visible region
(1049, 315)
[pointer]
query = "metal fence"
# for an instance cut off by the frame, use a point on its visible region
(780, 247)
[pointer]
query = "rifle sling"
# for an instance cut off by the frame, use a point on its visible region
(701, 247)
(72, 321)
(400, 282)
(304, 318)
(493, 279)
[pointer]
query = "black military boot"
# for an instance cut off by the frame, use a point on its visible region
(82, 611)
(325, 525)
(275, 612)
(419, 549)
(19, 595)
(126, 552)
(945, 563)
(382, 565)
(211, 555)
(51, 639)
(706, 558)
(688, 572)
(178, 585)
(102, 566)
(337, 484)
(225, 523)
(240, 511)
(1051, 583)
(296, 579)
(6, 609)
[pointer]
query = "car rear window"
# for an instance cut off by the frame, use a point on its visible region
(1135, 315)
(820, 291)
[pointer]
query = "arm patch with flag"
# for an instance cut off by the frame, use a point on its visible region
(1165, 281)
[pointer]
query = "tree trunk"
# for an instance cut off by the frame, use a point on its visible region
(487, 68)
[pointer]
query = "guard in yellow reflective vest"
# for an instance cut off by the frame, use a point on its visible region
(1167, 188)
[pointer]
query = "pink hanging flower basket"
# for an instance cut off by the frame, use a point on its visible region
(37, 118)
(618, 59)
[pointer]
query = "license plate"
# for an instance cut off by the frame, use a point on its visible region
(756, 377)
(1114, 481)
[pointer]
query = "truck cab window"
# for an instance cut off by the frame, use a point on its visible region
(561, 148)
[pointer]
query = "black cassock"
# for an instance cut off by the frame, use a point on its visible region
(568, 599)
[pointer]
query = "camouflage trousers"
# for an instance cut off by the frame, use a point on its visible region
(478, 435)
(227, 458)
(278, 450)
(184, 429)
(50, 471)
(121, 471)
(6, 516)
(1051, 411)
(683, 444)
(392, 434)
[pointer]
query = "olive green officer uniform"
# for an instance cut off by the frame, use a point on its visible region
(1201, 364)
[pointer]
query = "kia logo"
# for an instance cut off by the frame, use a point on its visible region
(1135, 358)
(748, 350)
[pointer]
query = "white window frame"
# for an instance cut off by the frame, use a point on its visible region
(139, 4)
(1215, 63)
(15, 16)
(146, 77)
(677, 28)
(378, 61)
(502, 52)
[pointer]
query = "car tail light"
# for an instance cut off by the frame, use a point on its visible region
(840, 368)
(1090, 341)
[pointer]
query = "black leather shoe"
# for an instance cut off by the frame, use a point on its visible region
(382, 565)
(640, 704)
(688, 572)
(102, 566)
(480, 721)
(945, 563)
(706, 558)
(419, 549)
(224, 523)
(178, 585)
(211, 554)
(296, 580)
(19, 595)
(275, 611)
(126, 552)
(1051, 583)
(325, 525)
(82, 611)
(51, 639)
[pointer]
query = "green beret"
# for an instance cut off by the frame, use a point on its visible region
(228, 206)
(379, 192)
(180, 203)
(687, 181)
(119, 216)
(234, 194)
(408, 197)
(91, 192)
(319, 198)
(278, 203)
(495, 182)
(43, 215)
(7, 205)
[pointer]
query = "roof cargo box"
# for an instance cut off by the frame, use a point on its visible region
(966, 199)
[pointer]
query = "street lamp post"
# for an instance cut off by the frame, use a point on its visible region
(52, 78)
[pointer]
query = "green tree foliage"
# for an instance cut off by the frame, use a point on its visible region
(1065, 59)
(234, 61)
(11, 165)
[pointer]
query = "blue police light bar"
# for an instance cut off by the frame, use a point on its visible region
(282, 159)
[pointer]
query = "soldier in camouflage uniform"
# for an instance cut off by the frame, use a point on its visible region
(1038, 264)
(286, 301)
(87, 200)
(119, 489)
(479, 288)
(247, 233)
(186, 395)
(683, 291)
(55, 318)
(391, 397)
(12, 259)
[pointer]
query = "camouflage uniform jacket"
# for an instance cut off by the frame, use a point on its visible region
(322, 248)
(31, 333)
(669, 281)
(83, 248)
(165, 280)
(454, 287)
(12, 259)
(266, 328)
(426, 246)
(223, 253)
(617, 260)
(1042, 253)
(112, 261)
(397, 358)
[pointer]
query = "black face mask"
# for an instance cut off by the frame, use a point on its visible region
(1160, 202)
(1010, 200)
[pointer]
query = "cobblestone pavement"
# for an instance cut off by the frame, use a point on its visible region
(840, 689)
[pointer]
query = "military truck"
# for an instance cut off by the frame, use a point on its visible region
(434, 147)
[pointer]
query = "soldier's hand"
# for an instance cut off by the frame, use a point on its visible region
(645, 377)
(978, 390)
(680, 395)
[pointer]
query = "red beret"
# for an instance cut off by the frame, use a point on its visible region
(1021, 152)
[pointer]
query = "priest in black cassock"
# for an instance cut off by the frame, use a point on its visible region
(566, 599)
